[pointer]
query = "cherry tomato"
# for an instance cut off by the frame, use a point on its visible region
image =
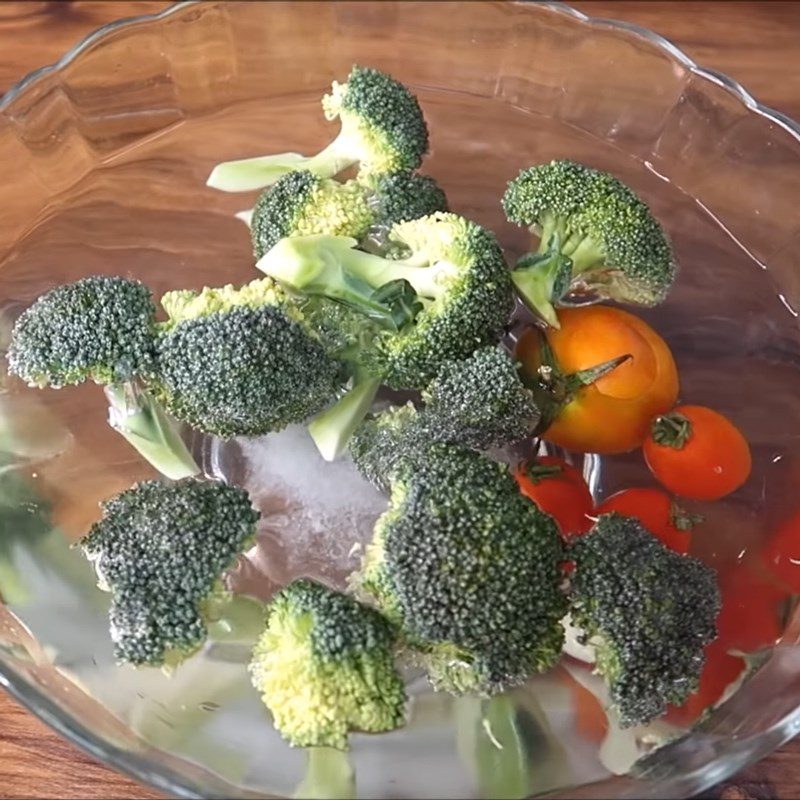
(612, 414)
(657, 512)
(696, 452)
(782, 552)
(591, 721)
(559, 490)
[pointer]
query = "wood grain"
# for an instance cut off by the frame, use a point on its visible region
(758, 43)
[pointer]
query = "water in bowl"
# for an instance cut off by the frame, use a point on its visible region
(148, 214)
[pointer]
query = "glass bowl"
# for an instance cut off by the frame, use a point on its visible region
(104, 157)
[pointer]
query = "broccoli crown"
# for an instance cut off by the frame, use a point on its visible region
(650, 610)
(469, 569)
(480, 402)
(241, 362)
(381, 118)
(405, 196)
(383, 441)
(324, 667)
(302, 203)
(161, 550)
(469, 292)
(616, 245)
(97, 328)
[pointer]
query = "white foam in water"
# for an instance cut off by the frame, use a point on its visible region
(314, 512)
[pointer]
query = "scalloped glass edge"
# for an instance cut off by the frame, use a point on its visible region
(41, 705)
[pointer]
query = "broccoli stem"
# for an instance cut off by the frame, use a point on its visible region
(584, 253)
(329, 776)
(136, 416)
(248, 174)
(330, 265)
(332, 429)
(490, 741)
(543, 278)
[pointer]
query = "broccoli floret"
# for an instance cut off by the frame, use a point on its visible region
(470, 571)
(462, 295)
(480, 402)
(241, 361)
(647, 611)
(324, 667)
(382, 130)
(302, 204)
(102, 329)
(97, 328)
(382, 442)
(403, 197)
(596, 236)
(161, 550)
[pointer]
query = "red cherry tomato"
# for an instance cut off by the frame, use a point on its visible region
(559, 490)
(695, 452)
(657, 512)
(591, 721)
(782, 552)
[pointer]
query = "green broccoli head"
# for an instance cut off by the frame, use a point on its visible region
(382, 130)
(301, 204)
(404, 196)
(97, 328)
(595, 234)
(161, 550)
(480, 402)
(382, 442)
(324, 667)
(241, 361)
(470, 571)
(455, 268)
(647, 611)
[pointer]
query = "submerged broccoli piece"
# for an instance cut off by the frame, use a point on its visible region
(302, 204)
(382, 130)
(161, 550)
(101, 329)
(480, 402)
(647, 612)
(470, 571)
(241, 361)
(595, 234)
(461, 292)
(324, 667)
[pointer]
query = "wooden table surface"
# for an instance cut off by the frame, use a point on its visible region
(758, 43)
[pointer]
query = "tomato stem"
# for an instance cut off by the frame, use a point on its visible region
(586, 377)
(671, 430)
(682, 519)
(538, 472)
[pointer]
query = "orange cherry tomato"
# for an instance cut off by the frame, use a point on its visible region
(657, 512)
(612, 415)
(696, 452)
(591, 721)
(782, 552)
(559, 490)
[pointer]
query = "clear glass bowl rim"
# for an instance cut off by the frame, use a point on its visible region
(137, 765)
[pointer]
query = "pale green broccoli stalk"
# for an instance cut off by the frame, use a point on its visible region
(382, 130)
(595, 236)
(329, 776)
(161, 550)
(102, 329)
(241, 361)
(324, 667)
(303, 204)
(461, 296)
(646, 611)
(469, 569)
